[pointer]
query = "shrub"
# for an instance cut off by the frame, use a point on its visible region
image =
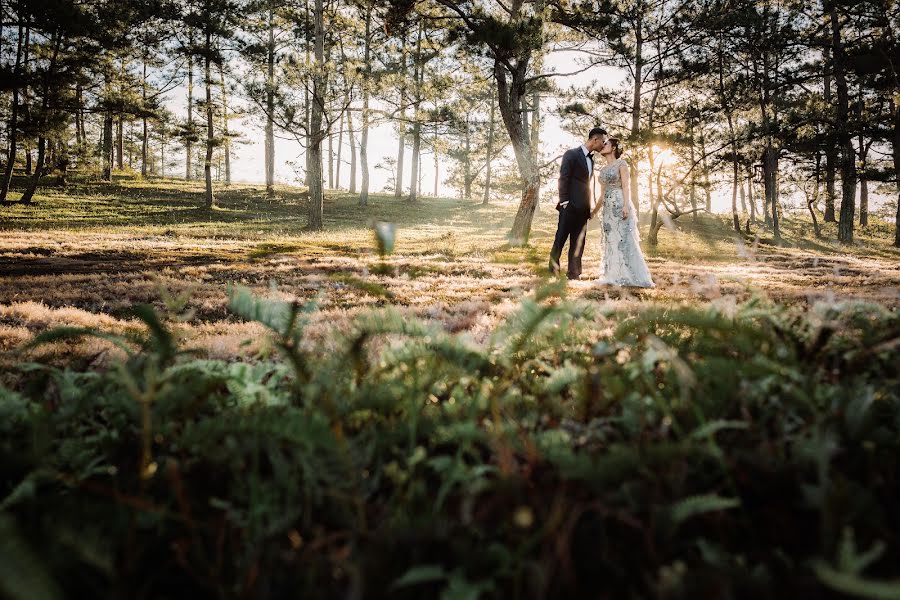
(694, 452)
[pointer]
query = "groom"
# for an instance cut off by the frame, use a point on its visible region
(574, 206)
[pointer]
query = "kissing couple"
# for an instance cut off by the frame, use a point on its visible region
(622, 262)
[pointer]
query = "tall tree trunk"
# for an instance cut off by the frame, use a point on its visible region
(13, 120)
(418, 74)
(848, 154)
(636, 109)
(653, 238)
(509, 100)
(735, 167)
(314, 176)
(895, 109)
(210, 130)
(144, 131)
(863, 201)
(79, 137)
(351, 138)
(743, 192)
(120, 143)
(270, 104)
(364, 135)
(831, 151)
(814, 197)
(750, 199)
(736, 219)
(437, 167)
(707, 189)
(330, 162)
(467, 165)
(488, 158)
(339, 157)
(226, 139)
(693, 162)
(863, 182)
(536, 137)
(770, 153)
(107, 146)
(770, 174)
(80, 134)
(401, 133)
(189, 143)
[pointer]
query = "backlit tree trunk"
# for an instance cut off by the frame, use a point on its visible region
(848, 153)
(351, 138)
(831, 153)
(189, 143)
(401, 152)
(636, 110)
(144, 129)
(210, 131)
(226, 140)
(270, 104)
(418, 75)
(316, 135)
(489, 154)
(364, 134)
(340, 149)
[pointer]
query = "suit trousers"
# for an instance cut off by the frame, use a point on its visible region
(572, 228)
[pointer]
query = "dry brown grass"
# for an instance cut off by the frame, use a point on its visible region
(84, 257)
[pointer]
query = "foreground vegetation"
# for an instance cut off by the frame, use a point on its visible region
(688, 453)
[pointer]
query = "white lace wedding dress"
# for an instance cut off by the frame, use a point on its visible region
(622, 262)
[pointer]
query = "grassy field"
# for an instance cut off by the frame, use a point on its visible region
(450, 423)
(86, 254)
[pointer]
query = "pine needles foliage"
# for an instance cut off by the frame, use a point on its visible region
(740, 452)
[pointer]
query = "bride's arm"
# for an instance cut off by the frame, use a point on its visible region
(626, 188)
(599, 204)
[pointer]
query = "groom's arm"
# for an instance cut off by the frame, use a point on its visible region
(565, 177)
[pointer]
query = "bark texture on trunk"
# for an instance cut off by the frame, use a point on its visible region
(226, 140)
(418, 74)
(848, 153)
(896, 152)
(831, 153)
(270, 105)
(364, 134)
(189, 143)
(352, 141)
(488, 159)
(209, 200)
(314, 175)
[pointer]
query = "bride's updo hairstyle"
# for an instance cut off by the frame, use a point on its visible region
(617, 146)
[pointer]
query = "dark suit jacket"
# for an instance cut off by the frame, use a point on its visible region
(574, 183)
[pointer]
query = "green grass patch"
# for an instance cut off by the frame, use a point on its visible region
(373, 288)
(268, 249)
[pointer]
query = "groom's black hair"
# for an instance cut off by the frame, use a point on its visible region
(596, 131)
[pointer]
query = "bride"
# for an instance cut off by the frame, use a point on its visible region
(622, 262)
